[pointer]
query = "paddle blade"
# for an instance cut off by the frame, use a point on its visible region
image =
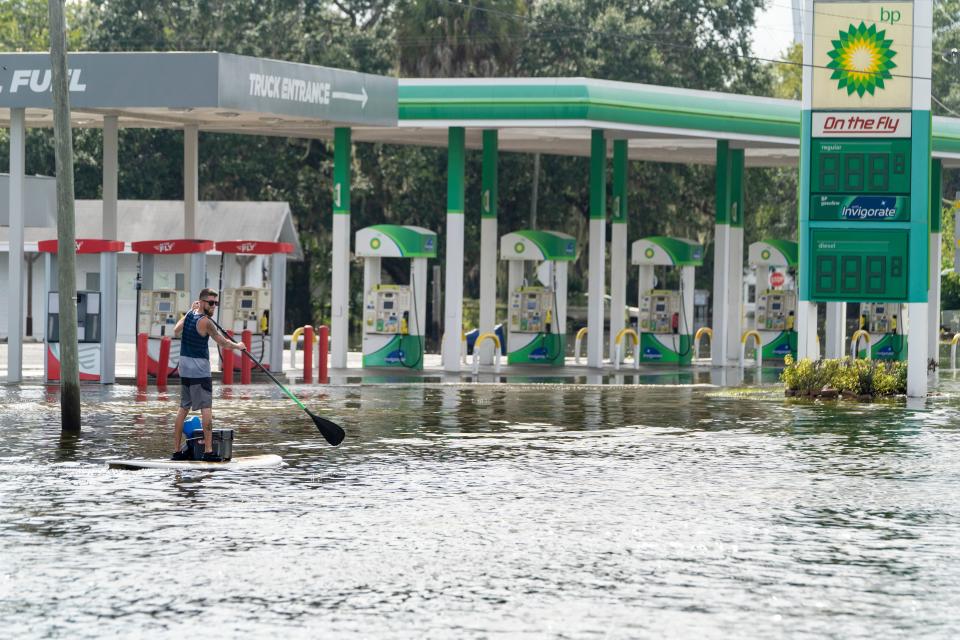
(329, 430)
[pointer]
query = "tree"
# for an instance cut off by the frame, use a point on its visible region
(458, 39)
(788, 75)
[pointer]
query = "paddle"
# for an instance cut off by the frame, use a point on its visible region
(329, 430)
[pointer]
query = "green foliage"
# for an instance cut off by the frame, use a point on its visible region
(23, 25)
(946, 65)
(851, 377)
(788, 83)
(479, 38)
(950, 291)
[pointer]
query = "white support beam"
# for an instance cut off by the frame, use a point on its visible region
(836, 329)
(15, 287)
(111, 146)
(108, 261)
(278, 305)
(191, 179)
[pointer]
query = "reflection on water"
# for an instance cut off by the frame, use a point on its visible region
(486, 510)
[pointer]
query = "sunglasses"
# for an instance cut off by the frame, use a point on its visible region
(212, 303)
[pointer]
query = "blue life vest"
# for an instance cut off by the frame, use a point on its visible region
(192, 344)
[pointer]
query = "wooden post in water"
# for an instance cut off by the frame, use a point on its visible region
(66, 233)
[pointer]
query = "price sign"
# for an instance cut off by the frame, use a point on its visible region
(861, 167)
(859, 266)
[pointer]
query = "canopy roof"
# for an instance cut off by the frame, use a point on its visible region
(396, 241)
(535, 244)
(140, 220)
(773, 252)
(214, 91)
(661, 124)
(240, 94)
(664, 250)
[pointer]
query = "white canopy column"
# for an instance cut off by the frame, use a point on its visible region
(15, 288)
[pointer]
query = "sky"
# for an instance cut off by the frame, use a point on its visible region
(774, 30)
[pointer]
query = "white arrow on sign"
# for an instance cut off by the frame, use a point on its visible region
(356, 97)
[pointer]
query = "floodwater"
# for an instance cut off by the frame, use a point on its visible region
(487, 511)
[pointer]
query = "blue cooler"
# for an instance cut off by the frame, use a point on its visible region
(222, 439)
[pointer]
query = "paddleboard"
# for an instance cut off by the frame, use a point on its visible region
(235, 464)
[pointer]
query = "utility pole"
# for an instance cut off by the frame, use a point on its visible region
(66, 233)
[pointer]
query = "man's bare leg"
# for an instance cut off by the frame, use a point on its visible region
(206, 416)
(178, 427)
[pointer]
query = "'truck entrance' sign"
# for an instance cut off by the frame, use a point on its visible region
(187, 81)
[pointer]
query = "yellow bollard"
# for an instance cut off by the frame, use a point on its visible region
(576, 344)
(855, 343)
(627, 331)
(743, 347)
(496, 352)
(702, 331)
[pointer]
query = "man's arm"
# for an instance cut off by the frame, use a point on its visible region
(205, 327)
(178, 329)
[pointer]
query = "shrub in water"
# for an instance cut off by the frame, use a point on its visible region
(852, 377)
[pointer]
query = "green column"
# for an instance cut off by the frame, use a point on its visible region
(340, 250)
(488, 203)
(453, 249)
(596, 287)
(598, 175)
(722, 195)
(619, 181)
(936, 188)
(618, 249)
(488, 242)
(736, 187)
(729, 184)
(456, 169)
(341, 170)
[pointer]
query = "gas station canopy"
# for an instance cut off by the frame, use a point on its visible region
(660, 124)
(215, 91)
(221, 92)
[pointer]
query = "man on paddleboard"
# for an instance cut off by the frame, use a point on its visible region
(196, 384)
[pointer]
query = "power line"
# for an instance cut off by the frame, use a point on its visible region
(945, 107)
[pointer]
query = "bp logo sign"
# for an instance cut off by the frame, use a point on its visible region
(648, 253)
(765, 254)
(861, 60)
(374, 243)
(519, 247)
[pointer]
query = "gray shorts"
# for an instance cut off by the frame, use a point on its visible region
(196, 393)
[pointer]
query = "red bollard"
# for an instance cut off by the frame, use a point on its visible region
(227, 373)
(142, 342)
(324, 348)
(246, 367)
(163, 361)
(308, 354)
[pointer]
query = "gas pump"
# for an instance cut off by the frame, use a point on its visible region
(259, 307)
(775, 262)
(96, 313)
(159, 308)
(884, 322)
(537, 313)
(394, 315)
(665, 323)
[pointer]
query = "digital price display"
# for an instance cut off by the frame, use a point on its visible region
(854, 265)
(861, 167)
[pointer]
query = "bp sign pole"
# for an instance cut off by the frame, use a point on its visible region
(865, 165)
